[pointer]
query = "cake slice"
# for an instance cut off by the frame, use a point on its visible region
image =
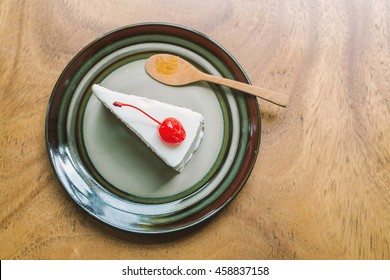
(142, 118)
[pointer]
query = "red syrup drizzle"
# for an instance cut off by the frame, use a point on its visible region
(170, 130)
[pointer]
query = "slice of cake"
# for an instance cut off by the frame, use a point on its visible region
(173, 133)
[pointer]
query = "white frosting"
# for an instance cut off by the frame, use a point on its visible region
(175, 156)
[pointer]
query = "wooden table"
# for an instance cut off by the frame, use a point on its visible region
(320, 188)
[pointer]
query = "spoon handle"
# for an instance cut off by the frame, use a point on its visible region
(276, 98)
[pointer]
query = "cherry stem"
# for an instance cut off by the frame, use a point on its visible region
(120, 104)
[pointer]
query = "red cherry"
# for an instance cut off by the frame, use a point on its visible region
(172, 131)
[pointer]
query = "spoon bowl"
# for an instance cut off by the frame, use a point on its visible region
(175, 71)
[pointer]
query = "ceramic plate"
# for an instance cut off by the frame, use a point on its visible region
(109, 172)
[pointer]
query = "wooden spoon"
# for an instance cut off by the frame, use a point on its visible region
(174, 71)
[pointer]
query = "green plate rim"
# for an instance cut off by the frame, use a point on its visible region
(250, 132)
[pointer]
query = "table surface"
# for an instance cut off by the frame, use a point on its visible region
(320, 188)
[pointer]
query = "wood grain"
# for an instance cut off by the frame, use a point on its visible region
(321, 185)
